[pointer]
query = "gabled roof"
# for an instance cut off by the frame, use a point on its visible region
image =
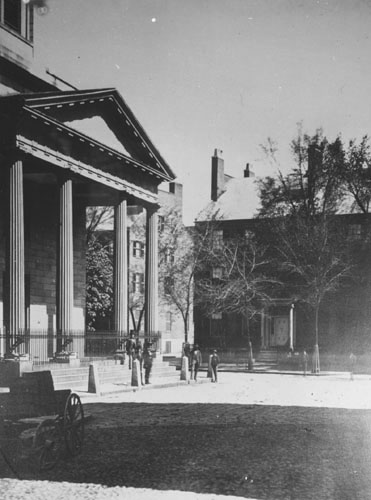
(102, 115)
(239, 201)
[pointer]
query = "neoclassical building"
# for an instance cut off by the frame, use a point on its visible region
(62, 151)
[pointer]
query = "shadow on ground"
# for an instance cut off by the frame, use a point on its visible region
(264, 452)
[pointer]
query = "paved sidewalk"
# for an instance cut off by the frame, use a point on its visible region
(12, 489)
(333, 390)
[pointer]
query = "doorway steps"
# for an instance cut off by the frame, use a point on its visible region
(267, 356)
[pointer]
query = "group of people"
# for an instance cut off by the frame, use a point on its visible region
(144, 355)
(195, 360)
(135, 351)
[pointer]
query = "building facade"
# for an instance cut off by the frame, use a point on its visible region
(171, 323)
(285, 324)
(62, 151)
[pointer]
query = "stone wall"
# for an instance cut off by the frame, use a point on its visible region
(41, 239)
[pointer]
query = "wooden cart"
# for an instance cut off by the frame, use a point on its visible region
(39, 424)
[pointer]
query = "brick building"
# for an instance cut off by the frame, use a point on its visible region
(62, 150)
(345, 317)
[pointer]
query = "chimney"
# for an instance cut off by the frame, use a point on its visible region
(247, 172)
(176, 189)
(315, 157)
(217, 175)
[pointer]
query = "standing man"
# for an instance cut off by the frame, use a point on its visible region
(130, 348)
(147, 361)
(139, 357)
(196, 362)
(214, 366)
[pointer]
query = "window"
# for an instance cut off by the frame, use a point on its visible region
(169, 256)
(168, 284)
(17, 15)
(218, 239)
(161, 223)
(354, 231)
(138, 249)
(168, 321)
(12, 14)
(249, 235)
(138, 282)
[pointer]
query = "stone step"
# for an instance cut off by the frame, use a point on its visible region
(109, 373)
(267, 356)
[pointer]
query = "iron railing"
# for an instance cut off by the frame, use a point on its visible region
(41, 346)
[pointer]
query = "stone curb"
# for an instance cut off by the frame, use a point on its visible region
(111, 389)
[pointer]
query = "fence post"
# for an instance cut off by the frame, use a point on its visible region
(184, 373)
(94, 383)
(135, 374)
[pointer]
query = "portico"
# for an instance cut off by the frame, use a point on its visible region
(62, 152)
(278, 325)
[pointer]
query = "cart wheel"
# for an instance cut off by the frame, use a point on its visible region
(73, 425)
(48, 444)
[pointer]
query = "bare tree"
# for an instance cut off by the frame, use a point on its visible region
(182, 253)
(239, 281)
(314, 259)
(306, 233)
(356, 173)
(95, 217)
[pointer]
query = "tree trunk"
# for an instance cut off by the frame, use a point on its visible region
(250, 358)
(315, 356)
(185, 318)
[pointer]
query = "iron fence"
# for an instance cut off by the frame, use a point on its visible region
(41, 346)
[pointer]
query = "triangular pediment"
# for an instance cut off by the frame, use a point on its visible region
(103, 116)
(97, 128)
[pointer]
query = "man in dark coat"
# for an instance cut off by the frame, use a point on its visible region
(130, 348)
(214, 366)
(196, 361)
(147, 361)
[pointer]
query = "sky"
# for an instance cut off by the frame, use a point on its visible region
(226, 74)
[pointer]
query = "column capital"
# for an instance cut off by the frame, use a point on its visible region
(152, 209)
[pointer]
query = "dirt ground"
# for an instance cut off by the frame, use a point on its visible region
(261, 451)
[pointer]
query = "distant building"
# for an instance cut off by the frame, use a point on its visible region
(63, 150)
(345, 318)
(170, 320)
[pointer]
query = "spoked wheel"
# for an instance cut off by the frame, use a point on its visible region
(48, 444)
(73, 425)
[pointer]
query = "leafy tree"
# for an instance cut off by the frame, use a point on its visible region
(99, 285)
(99, 269)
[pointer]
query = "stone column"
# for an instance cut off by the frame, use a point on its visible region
(121, 269)
(65, 270)
(151, 304)
(16, 253)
